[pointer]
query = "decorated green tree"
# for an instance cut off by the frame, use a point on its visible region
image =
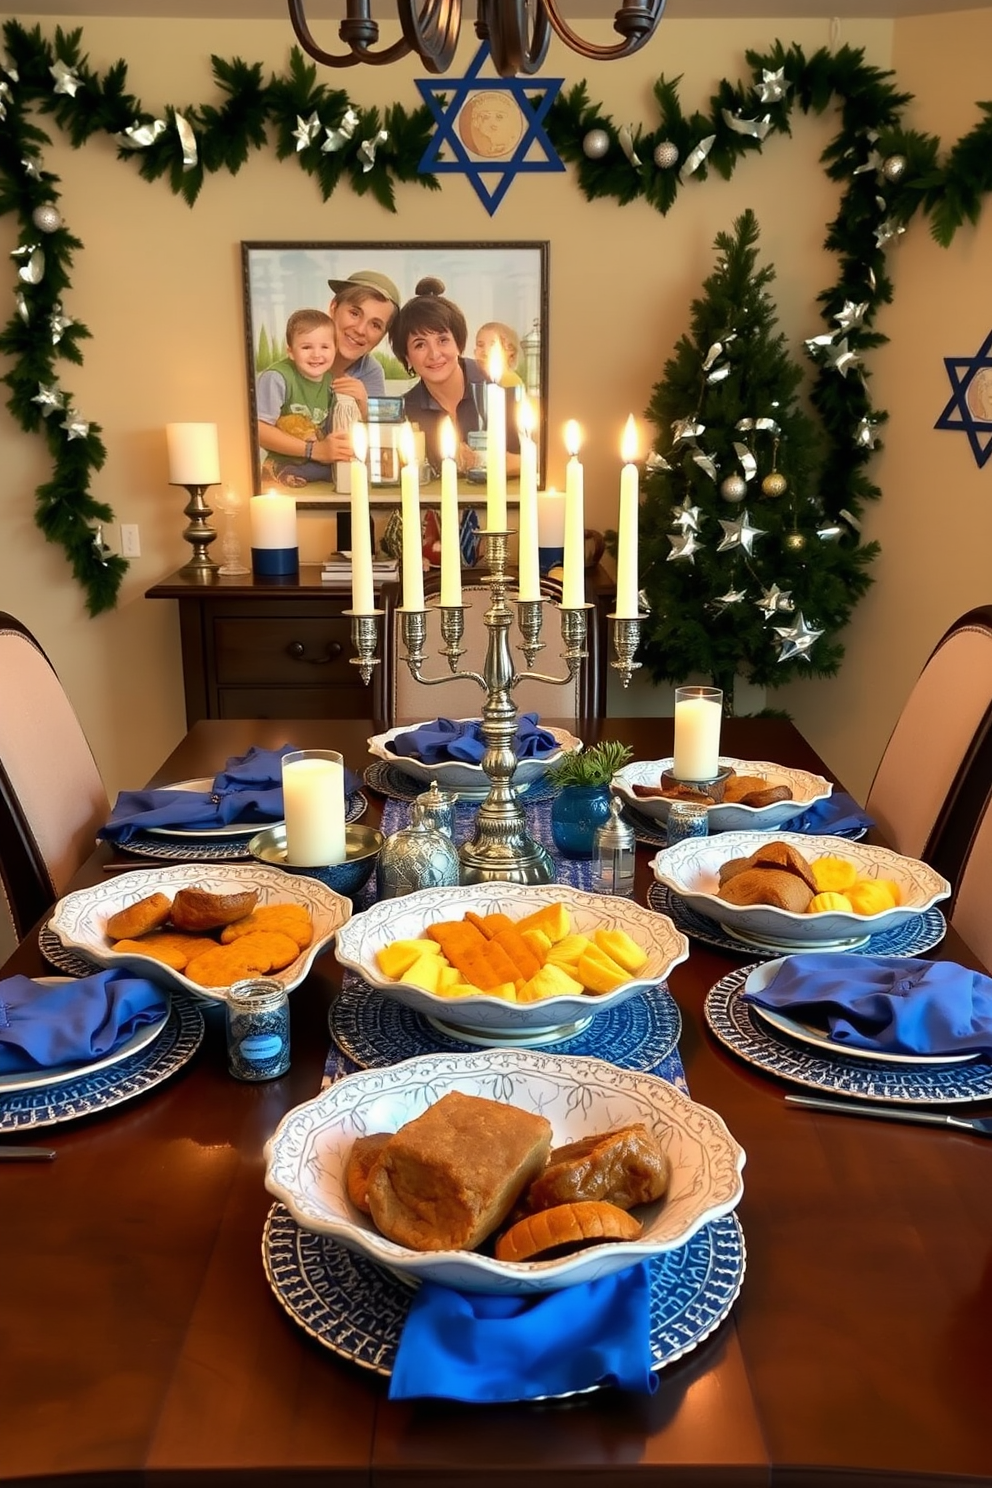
(751, 564)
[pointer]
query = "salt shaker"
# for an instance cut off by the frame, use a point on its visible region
(439, 809)
(418, 857)
(687, 819)
(613, 854)
(257, 1013)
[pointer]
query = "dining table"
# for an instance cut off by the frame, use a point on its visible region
(143, 1345)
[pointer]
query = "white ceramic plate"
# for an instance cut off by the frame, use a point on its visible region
(307, 1156)
(691, 868)
(760, 977)
(804, 789)
(407, 918)
(458, 776)
(38, 1079)
(79, 919)
(203, 785)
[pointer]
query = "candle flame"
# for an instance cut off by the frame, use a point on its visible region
(408, 448)
(449, 445)
(495, 364)
(359, 441)
(526, 418)
(628, 443)
(573, 437)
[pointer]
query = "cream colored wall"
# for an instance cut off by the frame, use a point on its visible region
(159, 287)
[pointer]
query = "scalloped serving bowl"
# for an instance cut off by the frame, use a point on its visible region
(691, 868)
(80, 918)
(804, 789)
(459, 775)
(307, 1155)
(407, 918)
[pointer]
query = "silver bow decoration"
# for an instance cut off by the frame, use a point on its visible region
(711, 356)
(306, 131)
(655, 461)
(773, 87)
(67, 80)
(368, 147)
(139, 136)
(718, 374)
(706, 464)
(59, 323)
(829, 534)
(755, 128)
(850, 519)
(686, 431)
(749, 464)
(50, 398)
(32, 269)
(696, 156)
(338, 138)
(187, 140)
(762, 425)
(75, 425)
(626, 139)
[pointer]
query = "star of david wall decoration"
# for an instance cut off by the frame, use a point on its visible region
(969, 409)
(489, 129)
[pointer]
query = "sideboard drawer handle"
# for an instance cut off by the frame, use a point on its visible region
(297, 650)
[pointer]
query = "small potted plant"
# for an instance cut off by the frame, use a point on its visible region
(582, 803)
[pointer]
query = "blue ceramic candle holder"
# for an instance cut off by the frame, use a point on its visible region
(272, 562)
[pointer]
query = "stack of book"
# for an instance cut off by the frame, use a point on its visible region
(337, 570)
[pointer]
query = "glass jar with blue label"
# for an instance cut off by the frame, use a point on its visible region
(258, 1029)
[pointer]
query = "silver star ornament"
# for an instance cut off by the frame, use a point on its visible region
(684, 545)
(851, 315)
(686, 516)
(75, 425)
(739, 534)
(773, 599)
(50, 399)
(67, 80)
(797, 638)
(732, 596)
(306, 131)
(772, 88)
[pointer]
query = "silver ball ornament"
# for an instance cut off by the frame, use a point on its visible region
(774, 484)
(47, 218)
(666, 155)
(795, 541)
(734, 488)
(595, 144)
(894, 168)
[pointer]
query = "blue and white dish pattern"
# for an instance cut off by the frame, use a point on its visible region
(218, 850)
(389, 780)
(732, 1021)
(88, 1094)
(357, 1309)
(912, 938)
(653, 834)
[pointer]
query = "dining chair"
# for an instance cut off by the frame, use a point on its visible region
(52, 799)
(409, 701)
(929, 758)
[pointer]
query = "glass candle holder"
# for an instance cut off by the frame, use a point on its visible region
(686, 819)
(698, 715)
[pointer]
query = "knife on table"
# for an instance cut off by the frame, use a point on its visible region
(26, 1154)
(981, 1125)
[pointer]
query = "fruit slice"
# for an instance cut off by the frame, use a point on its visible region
(620, 948)
(550, 981)
(598, 973)
(568, 950)
(832, 874)
(426, 973)
(822, 903)
(397, 957)
(553, 919)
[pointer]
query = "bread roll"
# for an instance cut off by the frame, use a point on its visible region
(361, 1160)
(623, 1167)
(774, 886)
(198, 909)
(138, 919)
(544, 1235)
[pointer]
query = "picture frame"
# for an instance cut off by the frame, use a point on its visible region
(503, 283)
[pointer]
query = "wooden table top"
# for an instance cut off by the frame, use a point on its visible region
(142, 1343)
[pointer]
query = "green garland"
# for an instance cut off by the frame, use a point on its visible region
(334, 141)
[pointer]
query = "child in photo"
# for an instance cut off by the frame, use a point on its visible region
(295, 404)
(486, 337)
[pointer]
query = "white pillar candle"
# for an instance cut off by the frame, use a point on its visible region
(362, 593)
(413, 554)
(627, 585)
(495, 445)
(193, 457)
(273, 521)
(574, 580)
(313, 804)
(698, 713)
(451, 554)
(550, 518)
(529, 586)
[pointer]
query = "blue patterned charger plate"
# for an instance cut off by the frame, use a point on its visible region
(357, 1310)
(375, 1031)
(232, 849)
(733, 1022)
(912, 938)
(85, 1095)
(653, 834)
(389, 780)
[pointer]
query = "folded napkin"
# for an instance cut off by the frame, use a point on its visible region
(469, 1346)
(837, 812)
(45, 1027)
(451, 739)
(248, 790)
(890, 1003)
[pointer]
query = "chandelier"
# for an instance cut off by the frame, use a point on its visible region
(518, 32)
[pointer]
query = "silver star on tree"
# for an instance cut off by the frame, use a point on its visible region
(739, 534)
(851, 315)
(686, 516)
(684, 545)
(67, 80)
(772, 88)
(75, 425)
(306, 131)
(773, 599)
(840, 357)
(732, 596)
(797, 638)
(50, 399)
(865, 433)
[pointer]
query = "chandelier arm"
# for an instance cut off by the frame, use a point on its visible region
(359, 43)
(636, 22)
(504, 24)
(430, 28)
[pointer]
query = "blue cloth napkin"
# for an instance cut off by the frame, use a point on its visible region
(470, 1346)
(451, 739)
(248, 789)
(837, 812)
(45, 1027)
(891, 1003)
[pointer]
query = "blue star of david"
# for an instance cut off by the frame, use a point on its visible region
(962, 372)
(533, 152)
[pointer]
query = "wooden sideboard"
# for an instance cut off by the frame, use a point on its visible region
(281, 648)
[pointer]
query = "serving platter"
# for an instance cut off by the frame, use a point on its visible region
(40, 1078)
(804, 789)
(461, 775)
(357, 1309)
(389, 780)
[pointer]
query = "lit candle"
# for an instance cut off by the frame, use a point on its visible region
(698, 713)
(313, 805)
(193, 457)
(273, 521)
(627, 586)
(495, 444)
(574, 580)
(362, 594)
(527, 557)
(413, 553)
(451, 556)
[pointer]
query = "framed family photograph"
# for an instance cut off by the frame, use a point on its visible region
(389, 335)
